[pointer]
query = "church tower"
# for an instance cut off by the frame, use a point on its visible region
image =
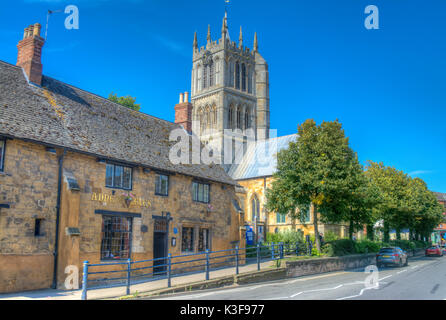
(230, 88)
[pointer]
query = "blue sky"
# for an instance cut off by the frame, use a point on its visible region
(386, 86)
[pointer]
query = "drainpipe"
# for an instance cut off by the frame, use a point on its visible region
(60, 159)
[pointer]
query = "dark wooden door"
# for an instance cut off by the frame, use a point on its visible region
(160, 246)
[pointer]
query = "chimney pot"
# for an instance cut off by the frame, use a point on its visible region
(36, 30)
(186, 96)
(181, 97)
(29, 53)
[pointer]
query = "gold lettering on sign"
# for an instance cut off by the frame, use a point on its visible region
(107, 199)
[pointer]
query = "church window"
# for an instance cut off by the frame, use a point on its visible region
(237, 75)
(249, 80)
(211, 74)
(255, 208)
(230, 118)
(247, 124)
(231, 74)
(239, 119)
(205, 77)
(243, 77)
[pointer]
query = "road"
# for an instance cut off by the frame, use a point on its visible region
(424, 278)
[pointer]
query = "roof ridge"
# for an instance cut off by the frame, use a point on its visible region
(10, 64)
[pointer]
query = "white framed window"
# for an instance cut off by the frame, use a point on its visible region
(162, 185)
(117, 176)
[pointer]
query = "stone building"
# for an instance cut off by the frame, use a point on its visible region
(230, 91)
(255, 175)
(83, 178)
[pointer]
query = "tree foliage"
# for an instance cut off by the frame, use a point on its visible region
(126, 101)
(314, 170)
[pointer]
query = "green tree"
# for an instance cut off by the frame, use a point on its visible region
(126, 101)
(406, 202)
(362, 198)
(427, 212)
(313, 171)
(392, 185)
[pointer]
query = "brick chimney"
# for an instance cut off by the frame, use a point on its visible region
(30, 51)
(183, 112)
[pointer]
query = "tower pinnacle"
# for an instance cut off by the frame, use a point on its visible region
(240, 39)
(209, 33)
(195, 45)
(256, 45)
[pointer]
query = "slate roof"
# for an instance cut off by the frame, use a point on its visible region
(260, 159)
(440, 196)
(61, 115)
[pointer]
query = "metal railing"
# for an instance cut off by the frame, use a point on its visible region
(130, 272)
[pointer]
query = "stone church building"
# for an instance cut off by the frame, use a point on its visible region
(230, 91)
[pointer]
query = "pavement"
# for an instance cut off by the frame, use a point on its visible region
(107, 293)
(424, 278)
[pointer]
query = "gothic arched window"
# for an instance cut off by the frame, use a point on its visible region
(205, 76)
(249, 80)
(211, 73)
(239, 118)
(237, 75)
(247, 124)
(243, 77)
(231, 73)
(230, 118)
(255, 208)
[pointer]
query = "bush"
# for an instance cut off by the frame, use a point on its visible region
(403, 244)
(288, 236)
(339, 247)
(366, 246)
(330, 236)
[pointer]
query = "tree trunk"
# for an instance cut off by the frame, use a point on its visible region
(350, 229)
(370, 232)
(398, 233)
(317, 240)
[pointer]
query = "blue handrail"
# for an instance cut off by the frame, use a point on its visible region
(169, 268)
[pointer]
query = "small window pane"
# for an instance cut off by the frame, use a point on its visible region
(118, 177)
(187, 241)
(195, 191)
(116, 235)
(162, 185)
(109, 171)
(203, 240)
(127, 178)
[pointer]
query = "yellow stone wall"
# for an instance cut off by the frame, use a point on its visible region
(29, 184)
(258, 187)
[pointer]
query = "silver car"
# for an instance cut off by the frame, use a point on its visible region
(392, 256)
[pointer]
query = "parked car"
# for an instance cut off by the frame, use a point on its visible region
(434, 251)
(392, 256)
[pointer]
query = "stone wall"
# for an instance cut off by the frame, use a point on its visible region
(322, 265)
(29, 185)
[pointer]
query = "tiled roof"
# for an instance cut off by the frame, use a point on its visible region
(260, 158)
(62, 115)
(440, 196)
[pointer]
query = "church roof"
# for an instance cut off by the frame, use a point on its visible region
(60, 115)
(260, 159)
(440, 196)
